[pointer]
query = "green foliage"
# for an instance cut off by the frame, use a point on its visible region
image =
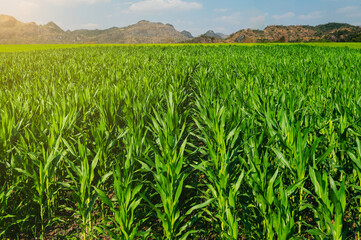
(331, 26)
(197, 142)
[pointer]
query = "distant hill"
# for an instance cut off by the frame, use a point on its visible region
(211, 33)
(209, 37)
(335, 32)
(223, 36)
(205, 39)
(187, 34)
(13, 31)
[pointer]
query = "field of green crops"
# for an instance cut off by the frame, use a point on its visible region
(187, 142)
(37, 47)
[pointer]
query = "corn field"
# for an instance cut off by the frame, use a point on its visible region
(181, 142)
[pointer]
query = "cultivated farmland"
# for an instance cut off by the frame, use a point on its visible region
(176, 142)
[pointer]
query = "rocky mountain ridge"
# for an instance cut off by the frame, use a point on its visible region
(13, 31)
(334, 32)
(187, 34)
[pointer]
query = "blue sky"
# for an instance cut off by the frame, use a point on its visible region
(196, 16)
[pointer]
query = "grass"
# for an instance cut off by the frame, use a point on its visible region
(186, 142)
(36, 47)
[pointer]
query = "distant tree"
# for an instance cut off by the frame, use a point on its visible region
(356, 38)
(331, 26)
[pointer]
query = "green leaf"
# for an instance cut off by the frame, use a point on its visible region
(104, 197)
(201, 205)
(316, 232)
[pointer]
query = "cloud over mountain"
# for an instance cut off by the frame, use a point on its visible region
(284, 16)
(159, 5)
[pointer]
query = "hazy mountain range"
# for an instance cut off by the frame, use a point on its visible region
(13, 31)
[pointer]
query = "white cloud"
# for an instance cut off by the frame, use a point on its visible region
(90, 1)
(220, 10)
(28, 6)
(257, 19)
(350, 11)
(284, 16)
(159, 5)
(312, 15)
(25, 10)
(234, 18)
(258, 22)
(69, 2)
(244, 20)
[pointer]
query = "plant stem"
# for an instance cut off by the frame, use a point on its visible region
(300, 218)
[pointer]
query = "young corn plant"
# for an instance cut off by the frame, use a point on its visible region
(81, 172)
(105, 137)
(124, 205)
(11, 212)
(222, 169)
(272, 197)
(5, 218)
(331, 205)
(262, 182)
(297, 155)
(168, 129)
(282, 218)
(127, 187)
(356, 161)
(7, 129)
(41, 170)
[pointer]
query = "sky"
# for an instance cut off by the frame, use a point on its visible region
(195, 16)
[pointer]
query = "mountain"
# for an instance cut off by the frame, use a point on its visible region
(187, 34)
(7, 21)
(208, 37)
(210, 33)
(204, 39)
(223, 36)
(141, 32)
(335, 32)
(13, 31)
